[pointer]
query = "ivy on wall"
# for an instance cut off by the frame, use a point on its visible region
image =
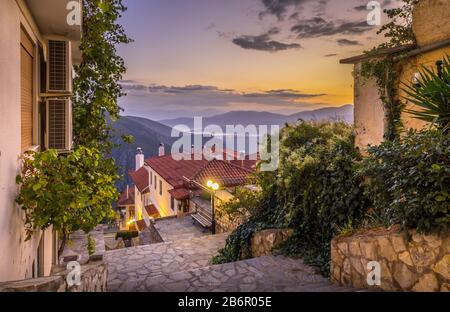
(386, 74)
(398, 31)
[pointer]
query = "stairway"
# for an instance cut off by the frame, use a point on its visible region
(185, 266)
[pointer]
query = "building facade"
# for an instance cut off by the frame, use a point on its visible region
(37, 50)
(432, 30)
(165, 187)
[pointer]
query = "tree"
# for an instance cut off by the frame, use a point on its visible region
(399, 30)
(69, 192)
(96, 87)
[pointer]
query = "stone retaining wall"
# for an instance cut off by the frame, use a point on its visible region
(408, 261)
(226, 223)
(94, 278)
(265, 242)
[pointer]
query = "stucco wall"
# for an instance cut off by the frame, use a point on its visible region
(18, 255)
(369, 112)
(431, 21)
(412, 66)
(431, 24)
(161, 202)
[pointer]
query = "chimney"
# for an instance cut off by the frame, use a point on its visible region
(128, 190)
(242, 158)
(161, 151)
(139, 158)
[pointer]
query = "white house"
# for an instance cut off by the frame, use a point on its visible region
(165, 187)
(37, 50)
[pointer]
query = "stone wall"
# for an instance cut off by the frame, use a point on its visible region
(265, 242)
(94, 278)
(408, 261)
(226, 223)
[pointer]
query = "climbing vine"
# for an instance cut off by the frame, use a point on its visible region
(385, 70)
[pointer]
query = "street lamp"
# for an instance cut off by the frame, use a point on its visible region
(214, 187)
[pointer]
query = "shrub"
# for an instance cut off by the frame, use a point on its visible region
(315, 191)
(69, 192)
(408, 181)
(127, 235)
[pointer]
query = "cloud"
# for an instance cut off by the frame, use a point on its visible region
(360, 8)
(346, 42)
(317, 27)
(264, 42)
(199, 90)
(279, 8)
(283, 93)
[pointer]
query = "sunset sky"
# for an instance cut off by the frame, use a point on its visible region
(204, 57)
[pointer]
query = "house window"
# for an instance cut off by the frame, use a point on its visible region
(155, 183)
(172, 203)
(160, 187)
(27, 57)
(151, 177)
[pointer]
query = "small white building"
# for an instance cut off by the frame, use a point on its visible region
(166, 187)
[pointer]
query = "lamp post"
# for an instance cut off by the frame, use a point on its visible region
(213, 187)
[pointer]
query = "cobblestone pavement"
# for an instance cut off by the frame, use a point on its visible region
(173, 229)
(185, 266)
(132, 264)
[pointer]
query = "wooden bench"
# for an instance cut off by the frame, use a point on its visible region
(204, 217)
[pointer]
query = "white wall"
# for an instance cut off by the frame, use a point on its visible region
(18, 255)
(161, 202)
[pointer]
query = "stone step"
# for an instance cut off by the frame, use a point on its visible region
(264, 274)
(162, 258)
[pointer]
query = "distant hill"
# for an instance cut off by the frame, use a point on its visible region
(147, 134)
(344, 113)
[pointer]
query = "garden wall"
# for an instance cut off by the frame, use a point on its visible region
(94, 278)
(226, 223)
(408, 261)
(263, 243)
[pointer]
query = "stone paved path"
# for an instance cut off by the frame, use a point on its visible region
(173, 229)
(132, 264)
(184, 266)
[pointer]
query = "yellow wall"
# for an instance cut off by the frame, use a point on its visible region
(431, 21)
(431, 24)
(412, 66)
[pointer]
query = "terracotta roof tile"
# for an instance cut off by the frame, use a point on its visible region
(140, 179)
(222, 172)
(152, 211)
(180, 193)
(173, 171)
(141, 225)
(127, 199)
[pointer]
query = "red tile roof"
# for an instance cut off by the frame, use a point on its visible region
(141, 225)
(140, 179)
(180, 193)
(127, 199)
(225, 173)
(173, 171)
(152, 211)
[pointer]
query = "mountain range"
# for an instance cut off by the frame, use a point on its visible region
(344, 113)
(149, 134)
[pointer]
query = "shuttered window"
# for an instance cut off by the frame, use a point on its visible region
(57, 124)
(27, 54)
